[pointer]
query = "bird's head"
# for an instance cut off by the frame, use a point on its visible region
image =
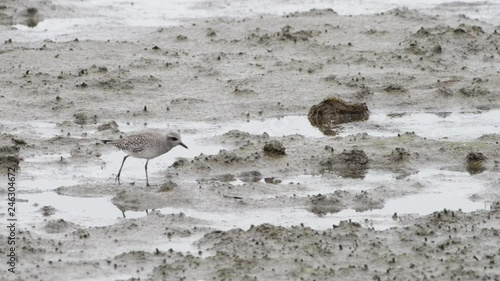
(175, 139)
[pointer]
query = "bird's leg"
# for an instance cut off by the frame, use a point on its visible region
(146, 169)
(119, 172)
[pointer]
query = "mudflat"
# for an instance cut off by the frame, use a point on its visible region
(247, 204)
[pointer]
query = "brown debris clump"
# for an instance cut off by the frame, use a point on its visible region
(333, 111)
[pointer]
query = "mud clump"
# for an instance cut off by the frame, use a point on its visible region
(356, 163)
(313, 12)
(272, 180)
(224, 178)
(340, 200)
(475, 162)
(394, 88)
(223, 159)
(84, 118)
(211, 32)
(58, 226)
(350, 164)
(363, 202)
(399, 154)
(113, 126)
(333, 111)
(179, 163)
(474, 91)
(287, 34)
(354, 157)
(168, 186)
(47, 211)
(274, 148)
(250, 176)
(322, 205)
(181, 37)
(9, 156)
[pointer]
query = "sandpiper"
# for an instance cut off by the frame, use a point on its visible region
(146, 145)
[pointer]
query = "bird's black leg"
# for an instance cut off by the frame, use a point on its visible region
(119, 172)
(146, 169)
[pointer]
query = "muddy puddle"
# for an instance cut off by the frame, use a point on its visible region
(236, 78)
(439, 125)
(438, 189)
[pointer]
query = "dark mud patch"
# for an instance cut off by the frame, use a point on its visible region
(331, 112)
(9, 155)
(475, 162)
(274, 148)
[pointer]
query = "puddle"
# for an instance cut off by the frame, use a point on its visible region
(87, 212)
(457, 126)
(441, 190)
(430, 125)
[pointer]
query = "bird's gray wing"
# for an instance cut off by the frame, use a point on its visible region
(133, 143)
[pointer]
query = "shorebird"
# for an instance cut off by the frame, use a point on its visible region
(146, 145)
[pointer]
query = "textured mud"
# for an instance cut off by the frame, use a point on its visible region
(225, 70)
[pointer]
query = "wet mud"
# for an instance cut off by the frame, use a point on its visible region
(410, 189)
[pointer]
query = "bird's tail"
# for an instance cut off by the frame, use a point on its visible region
(107, 141)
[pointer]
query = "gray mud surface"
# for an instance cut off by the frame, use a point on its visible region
(216, 215)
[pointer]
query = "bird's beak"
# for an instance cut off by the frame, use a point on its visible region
(185, 146)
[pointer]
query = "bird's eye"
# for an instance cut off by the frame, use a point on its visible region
(174, 139)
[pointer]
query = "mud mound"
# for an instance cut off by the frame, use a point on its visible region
(351, 164)
(59, 226)
(399, 154)
(475, 162)
(332, 112)
(313, 13)
(286, 34)
(274, 148)
(9, 150)
(112, 125)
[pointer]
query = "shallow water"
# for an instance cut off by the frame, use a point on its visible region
(436, 189)
(454, 125)
(440, 190)
(459, 126)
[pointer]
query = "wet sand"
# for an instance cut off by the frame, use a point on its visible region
(379, 200)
